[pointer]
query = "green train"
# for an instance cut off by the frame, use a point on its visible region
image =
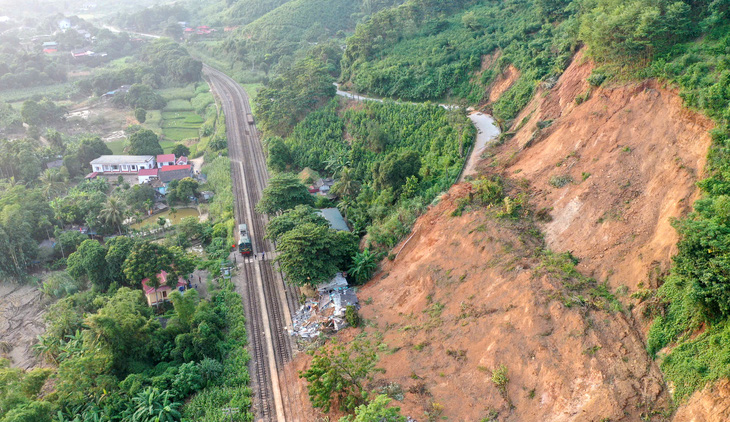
(244, 241)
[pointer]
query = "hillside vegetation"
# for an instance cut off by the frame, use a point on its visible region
(454, 50)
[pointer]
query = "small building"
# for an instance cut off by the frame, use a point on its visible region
(335, 218)
(92, 175)
(81, 53)
(146, 175)
(165, 160)
(55, 164)
(50, 44)
(181, 161)
(161, 294)
(64, 24)
(207, 195)
(122, 163)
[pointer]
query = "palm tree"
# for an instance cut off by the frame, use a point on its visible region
(363, 265)
(113, 213)
(52, 182)
(346, 186)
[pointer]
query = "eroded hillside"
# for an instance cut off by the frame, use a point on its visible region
(603, 175)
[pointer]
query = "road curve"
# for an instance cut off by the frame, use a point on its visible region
(268, 301)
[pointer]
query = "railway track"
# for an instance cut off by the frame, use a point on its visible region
(269, 301)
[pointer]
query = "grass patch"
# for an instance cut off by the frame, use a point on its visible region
(117, 146)
(178, 93)
(178, 105)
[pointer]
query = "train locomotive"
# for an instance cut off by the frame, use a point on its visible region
(244, 241)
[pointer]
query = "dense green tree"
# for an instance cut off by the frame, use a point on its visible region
(279, 156)
(310, 254)
(182, 190)
(395, 169)
(144, 142)
(339, 373)
(285, 191)
(118, 250)
(142, 97)
(146, 261)
(41, 113)
(180, 150)
(292, 218)
(140, 114)
(88, 263)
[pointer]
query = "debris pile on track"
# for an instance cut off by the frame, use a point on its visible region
(327, 312)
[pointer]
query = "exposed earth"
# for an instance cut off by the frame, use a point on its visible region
(469, 293)
(21, 321)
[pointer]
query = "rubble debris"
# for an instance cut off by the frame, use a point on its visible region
(326, 313)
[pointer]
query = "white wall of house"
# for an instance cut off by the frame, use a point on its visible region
(165, 163)
(145, 179)
(123, 168)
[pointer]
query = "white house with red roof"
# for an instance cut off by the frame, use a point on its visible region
(165, 160)
(119, 164)
(161, 294)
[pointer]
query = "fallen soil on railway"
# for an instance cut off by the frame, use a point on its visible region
(467, 294)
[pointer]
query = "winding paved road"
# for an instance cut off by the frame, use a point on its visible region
(268, 302)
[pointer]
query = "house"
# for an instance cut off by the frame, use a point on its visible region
(161, 294)
(82, 53)
(183, 160)
(122, 163)
(50, 44)
(146, 175)
(50, 50)
(165, 160)
(64, 24)
(121, 90)
(335, 218)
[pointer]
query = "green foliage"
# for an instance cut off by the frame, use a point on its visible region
(88, 263)
(627, 31)
(310, 254)
(363, 265)
(338, 374)
(144, 142)
(429, 50)
(141, 96)
(289, 97)
(181, 150)
(155, 406)
(284, 191)
(148, 259)
(352, 317)
(289, 219)
(278, 154)
(376, 410)
(44, 113)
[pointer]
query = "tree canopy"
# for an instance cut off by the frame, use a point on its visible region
(144, 142)
(285, 191)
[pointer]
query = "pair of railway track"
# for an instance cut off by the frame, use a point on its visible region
(268, 301)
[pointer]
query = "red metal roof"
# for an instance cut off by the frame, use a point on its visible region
(171, 168)
(147, 172)
(92, 175)
(165, 158)
(162, 276)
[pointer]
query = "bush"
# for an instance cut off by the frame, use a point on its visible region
(560, 181)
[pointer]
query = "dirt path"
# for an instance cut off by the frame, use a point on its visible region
(21, 321)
